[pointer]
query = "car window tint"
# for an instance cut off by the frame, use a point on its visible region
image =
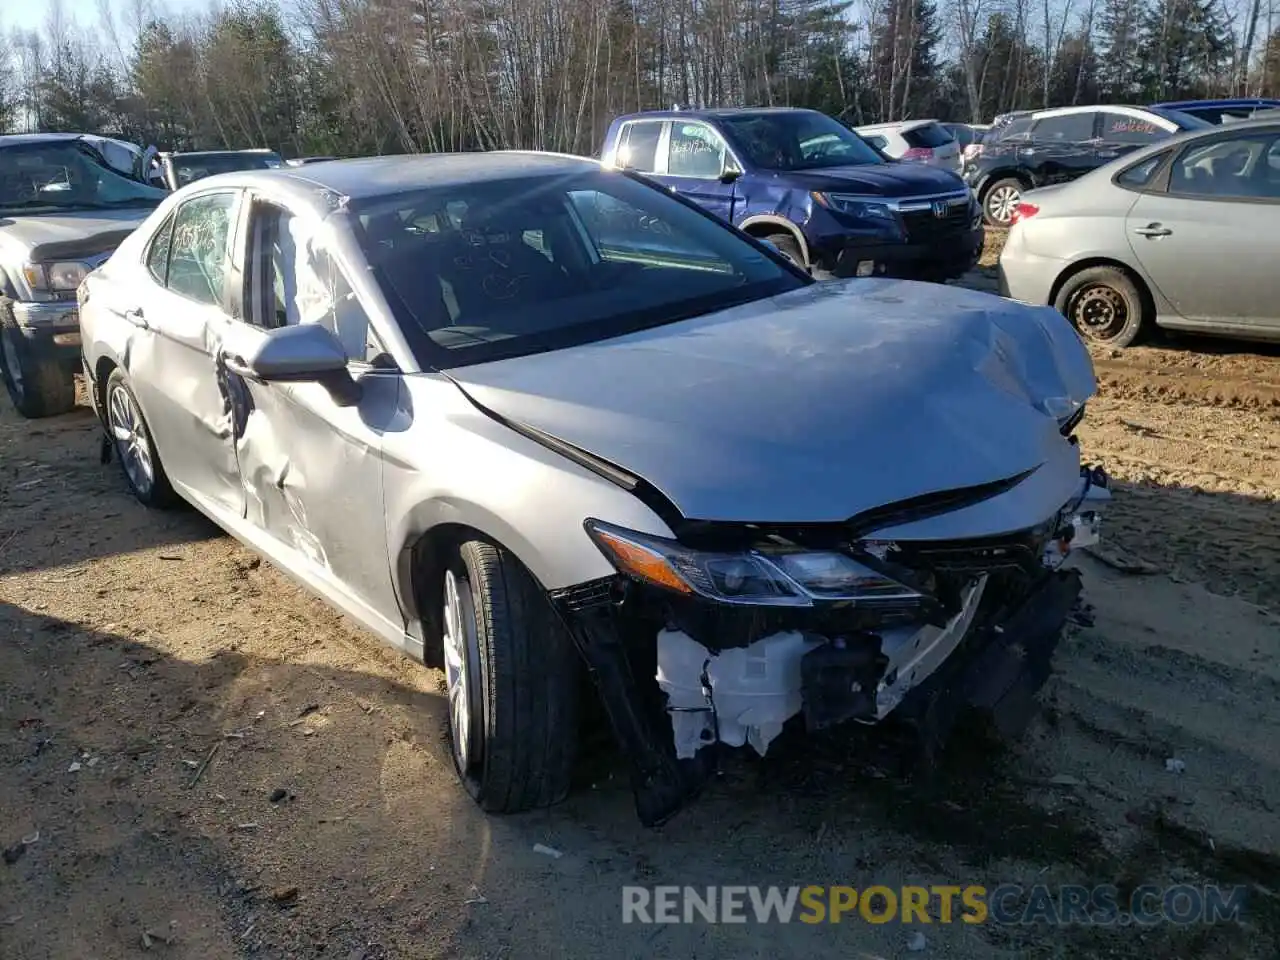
(1140, 174)
(1239, 167)
(931, 135)
(695, 150)
(538, 259)
(1071, 128)
(198, 260)
(1119, 128)
(638, 147)
(158, 254)
(297, 281)
(1017, 127)
(876, 141)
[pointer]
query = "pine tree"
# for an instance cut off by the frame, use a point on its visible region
(1120, 71)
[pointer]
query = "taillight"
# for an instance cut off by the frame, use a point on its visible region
(918, 153)
(1023, 211)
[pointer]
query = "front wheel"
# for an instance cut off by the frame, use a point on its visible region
(1104, 305)
(786, 245)
(38, 385)
(511, 676)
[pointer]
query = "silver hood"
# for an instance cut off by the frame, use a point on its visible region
(70, 235)
(814, 406)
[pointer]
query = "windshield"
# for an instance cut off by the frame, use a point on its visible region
(65, 175)
(797, 140)
(481, 271)
(196, 167)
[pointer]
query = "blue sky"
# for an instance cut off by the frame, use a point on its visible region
(31, 14)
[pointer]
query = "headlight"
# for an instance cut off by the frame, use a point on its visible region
(854, 206)
(61, 277)
(753, 578)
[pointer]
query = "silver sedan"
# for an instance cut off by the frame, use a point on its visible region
(1184, 234)
(515, 413)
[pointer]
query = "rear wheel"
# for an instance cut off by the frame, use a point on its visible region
(39, 386)
(511, 675)
(1000, 201)
(133, 445)
(1104, 305)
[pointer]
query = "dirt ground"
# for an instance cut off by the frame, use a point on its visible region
(159, 686)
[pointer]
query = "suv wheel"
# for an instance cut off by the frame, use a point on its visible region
(38, 386)
(511, 676)
(1104, 305)
(133, 445)
(1000, 200)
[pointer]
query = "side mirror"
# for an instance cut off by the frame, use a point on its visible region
(306, 353)
(728, 170)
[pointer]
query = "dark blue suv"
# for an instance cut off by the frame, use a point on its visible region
(820, 193)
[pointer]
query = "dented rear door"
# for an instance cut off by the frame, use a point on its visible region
(181, 315)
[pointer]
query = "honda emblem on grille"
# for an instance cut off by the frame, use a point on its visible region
(940, 208)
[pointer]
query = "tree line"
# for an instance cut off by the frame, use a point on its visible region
(351, 77)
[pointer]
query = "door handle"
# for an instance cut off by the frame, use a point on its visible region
(1153, 230)
(137, 318)
(235, 364)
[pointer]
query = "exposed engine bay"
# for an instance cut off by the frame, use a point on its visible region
(743, 630)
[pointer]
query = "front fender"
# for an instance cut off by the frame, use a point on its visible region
(456, 466)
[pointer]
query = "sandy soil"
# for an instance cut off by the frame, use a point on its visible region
(159, 686)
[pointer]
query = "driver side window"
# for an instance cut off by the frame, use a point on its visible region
(293, 280)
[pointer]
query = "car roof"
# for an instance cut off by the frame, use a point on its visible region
(18, 139)
(717, 113)
(898, 125)
(215, 153)
(365, 177)
(1227, 102)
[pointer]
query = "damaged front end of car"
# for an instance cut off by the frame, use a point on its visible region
(727, 632)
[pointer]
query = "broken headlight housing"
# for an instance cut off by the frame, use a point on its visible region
(774, 578)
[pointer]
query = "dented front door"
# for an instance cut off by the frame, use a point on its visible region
(310, 467)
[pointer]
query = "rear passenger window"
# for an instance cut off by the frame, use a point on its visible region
(1118, 128)
(158, 255)
(201, 245)
(1140, 174)
(1072, 128)
(695, 151)
(638, 146)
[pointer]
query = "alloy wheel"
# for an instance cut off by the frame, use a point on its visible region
(1099, 312)
(132, 442)
(1001, 203)
(461, 669)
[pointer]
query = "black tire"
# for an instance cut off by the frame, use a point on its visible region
(789, 248)
(158, 493)
(1104, 305)
(38, 385)
(526, 689)
(996, 211)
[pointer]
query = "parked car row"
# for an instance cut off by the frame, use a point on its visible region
(1180, 234)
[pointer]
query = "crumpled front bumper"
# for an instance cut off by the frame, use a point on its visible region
(991, 654)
